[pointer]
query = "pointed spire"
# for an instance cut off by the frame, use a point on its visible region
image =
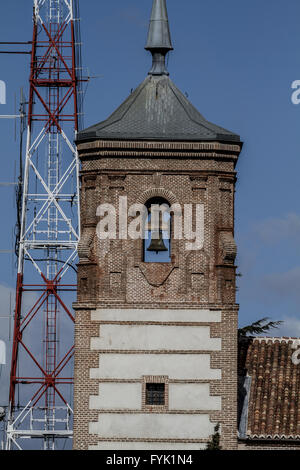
(159, 38)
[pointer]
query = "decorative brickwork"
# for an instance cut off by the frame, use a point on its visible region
(112, 274)
(175, 322)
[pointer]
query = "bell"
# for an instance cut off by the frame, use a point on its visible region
(157, 243)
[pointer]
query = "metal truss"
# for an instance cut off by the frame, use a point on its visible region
(49, 232)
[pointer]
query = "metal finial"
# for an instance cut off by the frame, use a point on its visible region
(159, 37)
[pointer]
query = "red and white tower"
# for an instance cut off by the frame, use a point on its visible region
(41, 368)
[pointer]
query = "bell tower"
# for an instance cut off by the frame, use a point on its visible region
(156, 315)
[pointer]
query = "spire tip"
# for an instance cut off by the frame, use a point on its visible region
(159, 38)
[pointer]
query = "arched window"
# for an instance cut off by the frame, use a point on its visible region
(157, 234)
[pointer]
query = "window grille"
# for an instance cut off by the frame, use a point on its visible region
(155, 394)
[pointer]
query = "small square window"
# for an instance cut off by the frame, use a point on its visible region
(155, 394)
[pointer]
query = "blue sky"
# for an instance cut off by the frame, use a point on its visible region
(236, 61)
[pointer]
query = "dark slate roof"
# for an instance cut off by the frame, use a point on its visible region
(270, 393)
(157, 110)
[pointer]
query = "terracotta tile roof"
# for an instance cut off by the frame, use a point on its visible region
(272, 402)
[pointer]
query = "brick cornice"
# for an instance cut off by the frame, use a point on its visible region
(114, 144)
(187, 306)
(111, 148)
(192, 173)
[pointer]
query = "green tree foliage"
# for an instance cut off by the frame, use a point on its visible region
(214, 443)
(257, 328)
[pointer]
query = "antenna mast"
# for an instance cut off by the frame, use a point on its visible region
(41, 369)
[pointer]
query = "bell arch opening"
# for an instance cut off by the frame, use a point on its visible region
(157, 231)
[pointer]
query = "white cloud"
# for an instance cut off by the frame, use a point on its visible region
(7, 298)
(33, 337)
(290, 327)
(274, 230)
(7, 305)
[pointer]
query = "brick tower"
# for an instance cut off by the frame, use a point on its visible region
(156, 319)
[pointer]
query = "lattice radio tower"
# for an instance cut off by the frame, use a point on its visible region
(40, 399)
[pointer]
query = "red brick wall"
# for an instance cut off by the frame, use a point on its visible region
(186, 174)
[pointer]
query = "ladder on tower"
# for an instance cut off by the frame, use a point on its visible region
(49, 233)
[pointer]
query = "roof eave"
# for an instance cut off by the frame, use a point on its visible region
(218, 138)
(272, 439)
